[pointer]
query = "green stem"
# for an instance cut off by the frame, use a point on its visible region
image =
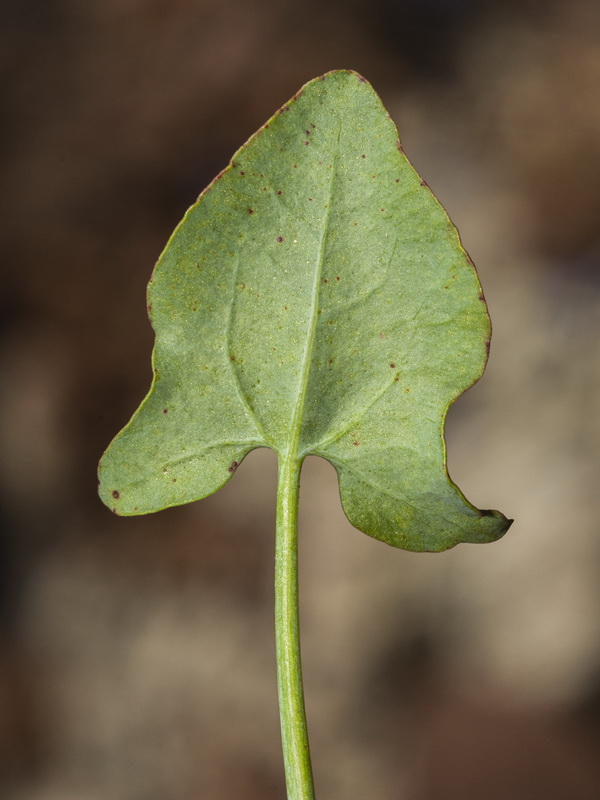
(294, 734)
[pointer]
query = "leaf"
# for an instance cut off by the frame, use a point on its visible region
(315, 300)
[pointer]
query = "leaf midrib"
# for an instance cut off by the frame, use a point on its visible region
(297, 418)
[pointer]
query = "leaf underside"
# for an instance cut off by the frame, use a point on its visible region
(316, 300)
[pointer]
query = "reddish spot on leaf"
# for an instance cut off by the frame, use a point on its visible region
(280, 239)
(279, 192)
(356, 444)
(165, 410)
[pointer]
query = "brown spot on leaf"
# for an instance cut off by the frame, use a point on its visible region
(279, 239)
(233, 466)
(337, 277)
(307, 133)
(355, 444)
(251, 211)
(116, 494)
(325, 280)
(279, 192)
(392, 365)
(232, 357)
(165, 410)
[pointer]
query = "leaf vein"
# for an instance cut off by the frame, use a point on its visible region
(231, 364)
(314, 313)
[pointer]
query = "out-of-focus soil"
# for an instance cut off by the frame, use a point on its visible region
(136, 655)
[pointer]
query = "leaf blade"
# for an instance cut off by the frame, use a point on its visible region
(316, 299)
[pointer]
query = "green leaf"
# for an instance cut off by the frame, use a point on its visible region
(315, 299)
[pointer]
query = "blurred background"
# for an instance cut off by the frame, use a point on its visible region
(136, 655)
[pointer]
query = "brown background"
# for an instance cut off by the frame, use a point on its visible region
(136, 655)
